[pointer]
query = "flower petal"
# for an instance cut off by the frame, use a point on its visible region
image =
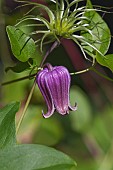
(54, 84)
(62, 108)
(44, 88)
(73, 108)
(59, 83)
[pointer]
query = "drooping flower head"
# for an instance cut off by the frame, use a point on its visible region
(54, 84)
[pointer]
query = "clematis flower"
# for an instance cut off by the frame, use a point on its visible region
(54, 84)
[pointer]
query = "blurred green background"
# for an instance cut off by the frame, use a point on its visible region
(87, 134)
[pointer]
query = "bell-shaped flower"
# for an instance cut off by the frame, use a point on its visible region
(54, 84)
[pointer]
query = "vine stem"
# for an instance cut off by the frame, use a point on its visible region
(25, 108)
(92, 69)
(75, 73)
(80, 72)
(19, 79)
(32, 75)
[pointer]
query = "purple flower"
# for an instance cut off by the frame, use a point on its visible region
(54, 84)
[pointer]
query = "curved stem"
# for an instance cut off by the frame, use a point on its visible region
(55, 44)
(25, 108)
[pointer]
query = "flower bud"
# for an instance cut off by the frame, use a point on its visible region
(54, 84)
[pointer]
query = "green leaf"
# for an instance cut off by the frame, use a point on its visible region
(100, 36)
(106, 61)
(34, 157)
(21, 66)
(23, 47)
(7, 124)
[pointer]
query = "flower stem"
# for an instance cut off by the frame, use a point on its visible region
(55, 44)
(19, 79)
(25, 108)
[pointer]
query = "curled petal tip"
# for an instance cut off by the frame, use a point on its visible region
(73, 108)
(48, 114)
